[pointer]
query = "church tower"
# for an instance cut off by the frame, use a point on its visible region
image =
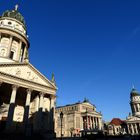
(14, 42)
(135, 102)
(133, 120)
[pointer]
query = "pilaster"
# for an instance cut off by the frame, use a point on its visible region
(9, 46)
(24, 54)
(19, 51)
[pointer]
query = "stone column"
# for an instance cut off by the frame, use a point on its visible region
(138, 107)
(24, 53)
(19, 51)
(83, 120)
(87, 122)
(11, 107)
(99, 122)
(132, 128)
(0, 37)
(40, 110)
(136, 129)
(37, 104)
(41, 101)
(51, 113)
(90, 123)
(26, 113)
(81, 123)
(27, 107)
(96, 122)
(135, 108)
(35, 126)
(9, 46)
(128, 129)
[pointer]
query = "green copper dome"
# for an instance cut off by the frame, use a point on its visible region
(14, 14)
(134, 92)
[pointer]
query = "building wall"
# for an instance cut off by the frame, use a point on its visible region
(72, 122)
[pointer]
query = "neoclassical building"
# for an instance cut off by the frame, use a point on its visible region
(77, 118)
(133, 120)
(27, 97)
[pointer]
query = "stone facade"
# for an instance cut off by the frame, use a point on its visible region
(27, 98)
(77, 118)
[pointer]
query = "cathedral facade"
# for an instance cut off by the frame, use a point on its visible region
(27, 97)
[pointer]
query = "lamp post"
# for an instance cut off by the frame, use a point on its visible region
(61, 117)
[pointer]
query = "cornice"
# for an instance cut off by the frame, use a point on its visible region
(17, 34)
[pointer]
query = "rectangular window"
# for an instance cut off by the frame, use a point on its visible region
(11, 54)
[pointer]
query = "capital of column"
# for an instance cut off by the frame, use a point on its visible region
(41, 94)
(52, 96)
(15, 87)
(29, 91)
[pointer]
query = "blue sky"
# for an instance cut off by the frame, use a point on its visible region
(92, 46)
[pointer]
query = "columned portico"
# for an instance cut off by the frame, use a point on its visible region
(91, 122)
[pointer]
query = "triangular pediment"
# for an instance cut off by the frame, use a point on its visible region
(25, 71)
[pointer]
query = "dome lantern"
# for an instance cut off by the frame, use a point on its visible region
(14, 14)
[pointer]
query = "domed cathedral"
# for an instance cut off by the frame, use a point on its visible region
(133, 120)
(27, 98)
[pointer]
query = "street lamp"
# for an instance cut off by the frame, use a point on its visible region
(61, 117)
